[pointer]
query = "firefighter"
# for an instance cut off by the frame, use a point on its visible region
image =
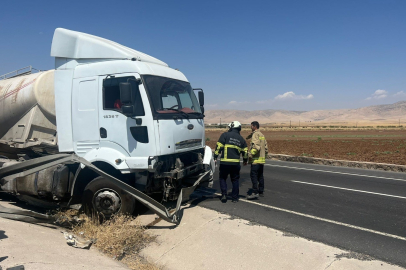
(231, 145)
(258, 152)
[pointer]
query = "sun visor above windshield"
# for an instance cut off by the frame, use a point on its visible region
(77, 45)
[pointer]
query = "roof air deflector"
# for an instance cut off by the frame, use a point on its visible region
(77, 45)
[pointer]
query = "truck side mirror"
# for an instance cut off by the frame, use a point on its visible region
(127, 110)
(127, 99)
(201, 98)
(126, 93)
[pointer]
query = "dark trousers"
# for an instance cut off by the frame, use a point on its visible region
(257, 178)
(234, 172)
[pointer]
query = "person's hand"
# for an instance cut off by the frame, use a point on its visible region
(245, 163)
(215, 163)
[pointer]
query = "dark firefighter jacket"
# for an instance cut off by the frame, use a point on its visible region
(231, 145)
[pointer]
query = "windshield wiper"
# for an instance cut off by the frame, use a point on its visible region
(177, 110)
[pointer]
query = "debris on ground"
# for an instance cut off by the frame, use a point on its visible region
(121, 237)
(73, 241)
(68, 218)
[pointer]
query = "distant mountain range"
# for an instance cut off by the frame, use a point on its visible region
(374, 114)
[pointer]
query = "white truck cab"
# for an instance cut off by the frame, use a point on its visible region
(128, 114)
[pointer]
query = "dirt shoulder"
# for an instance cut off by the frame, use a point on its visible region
(207, 239)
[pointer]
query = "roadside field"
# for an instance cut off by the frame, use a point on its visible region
(382, 146)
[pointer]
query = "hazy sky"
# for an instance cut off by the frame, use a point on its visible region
(294, 55)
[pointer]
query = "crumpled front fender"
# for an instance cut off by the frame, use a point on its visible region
(208, 161)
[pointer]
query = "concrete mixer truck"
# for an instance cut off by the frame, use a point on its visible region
(108, 128)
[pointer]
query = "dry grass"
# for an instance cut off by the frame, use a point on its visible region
(120, 237)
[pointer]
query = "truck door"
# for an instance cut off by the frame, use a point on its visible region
(133, 136)
(85, 116)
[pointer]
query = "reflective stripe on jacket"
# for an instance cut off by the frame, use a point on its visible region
(258, 148)
(231, 145)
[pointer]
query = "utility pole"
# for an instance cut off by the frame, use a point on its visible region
(220, 122)
(290, 125)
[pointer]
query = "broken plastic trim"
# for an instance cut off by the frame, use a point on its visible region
(31, 166)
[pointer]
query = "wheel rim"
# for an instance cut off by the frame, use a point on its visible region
(107, 202)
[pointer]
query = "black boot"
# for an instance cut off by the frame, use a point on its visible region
(253, 196)
(223, 199)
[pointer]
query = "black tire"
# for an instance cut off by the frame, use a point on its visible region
(100, 190)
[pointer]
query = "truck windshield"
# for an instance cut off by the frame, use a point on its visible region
(171, 96)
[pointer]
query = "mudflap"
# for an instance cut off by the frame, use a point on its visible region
(31, 166)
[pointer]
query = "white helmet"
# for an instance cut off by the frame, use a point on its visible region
(234, 124)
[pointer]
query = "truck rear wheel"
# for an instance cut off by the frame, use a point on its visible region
(103, 197)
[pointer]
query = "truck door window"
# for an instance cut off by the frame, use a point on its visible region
(111, 95)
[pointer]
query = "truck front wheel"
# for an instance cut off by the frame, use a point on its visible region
(103, 197)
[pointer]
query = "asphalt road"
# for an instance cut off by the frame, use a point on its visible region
(359, 210)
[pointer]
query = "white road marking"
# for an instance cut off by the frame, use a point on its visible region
(319, 218)
(349, 189)
(354, 174)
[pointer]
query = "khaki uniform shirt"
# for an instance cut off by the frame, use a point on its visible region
(258, 148)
